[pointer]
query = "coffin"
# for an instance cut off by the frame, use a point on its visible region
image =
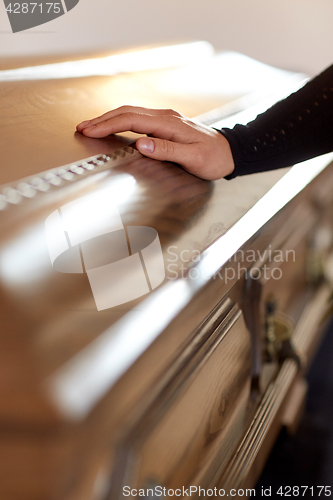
(155, 328)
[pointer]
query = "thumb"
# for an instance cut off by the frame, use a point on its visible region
(161, 149)
(146, 146)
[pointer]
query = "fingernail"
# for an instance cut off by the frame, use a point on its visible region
(84, 124)
(146, 146)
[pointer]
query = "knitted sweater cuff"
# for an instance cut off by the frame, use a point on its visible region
(239, 168)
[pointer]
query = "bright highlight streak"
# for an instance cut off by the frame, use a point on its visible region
(141, 60)
(78, 385)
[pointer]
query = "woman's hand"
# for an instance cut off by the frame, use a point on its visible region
(200, 150)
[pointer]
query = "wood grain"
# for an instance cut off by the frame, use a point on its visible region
(188, 400)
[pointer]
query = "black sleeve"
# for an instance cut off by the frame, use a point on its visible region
(295, 129)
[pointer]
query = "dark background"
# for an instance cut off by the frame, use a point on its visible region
(306, 459)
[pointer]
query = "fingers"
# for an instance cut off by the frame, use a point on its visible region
(125, 109)
(170, 136)
(172, 128)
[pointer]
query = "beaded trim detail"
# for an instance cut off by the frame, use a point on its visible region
(16, 192)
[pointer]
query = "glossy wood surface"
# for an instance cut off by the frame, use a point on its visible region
(188, 213)
(38, 118)
(83, 392)
(203, 409)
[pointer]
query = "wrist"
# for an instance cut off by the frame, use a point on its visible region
(227, 163)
